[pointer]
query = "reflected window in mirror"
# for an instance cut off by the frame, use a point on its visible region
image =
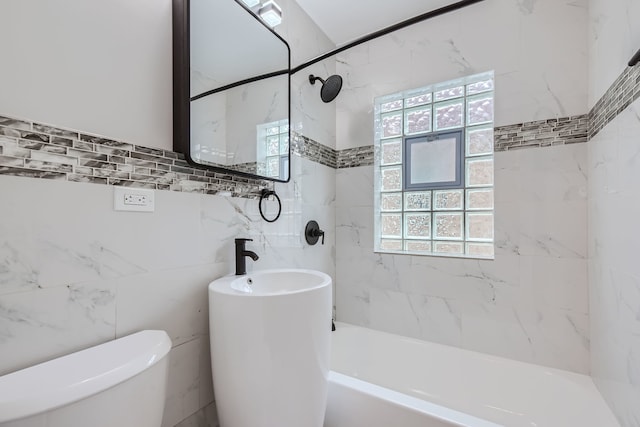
(273, 149)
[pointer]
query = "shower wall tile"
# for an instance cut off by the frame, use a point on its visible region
(530, 303)
(613, 208)
(613, 39)
(546, 337)
(614, 274)
(558, 282)
(544, 232)
(355, 187)
(309, 115)
(423, 316)
(539, 75)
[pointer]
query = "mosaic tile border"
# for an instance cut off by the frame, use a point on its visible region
(35, 150)
(314, 151)
(624, 91)
(542, 133)
(354, 157)
(539, 133)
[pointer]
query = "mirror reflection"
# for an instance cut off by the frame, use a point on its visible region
(238, 92)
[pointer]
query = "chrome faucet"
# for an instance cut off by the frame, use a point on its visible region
(241, 253)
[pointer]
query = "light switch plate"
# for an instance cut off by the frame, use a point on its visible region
(133, 199)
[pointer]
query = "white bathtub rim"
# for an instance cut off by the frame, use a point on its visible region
(600, 414)
(410, 403)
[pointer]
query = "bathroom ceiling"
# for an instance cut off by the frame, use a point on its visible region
(346, 20)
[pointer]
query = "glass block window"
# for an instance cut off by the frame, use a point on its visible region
(434, 169)
(273, 149)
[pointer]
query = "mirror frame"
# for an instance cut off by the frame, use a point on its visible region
(182, 84)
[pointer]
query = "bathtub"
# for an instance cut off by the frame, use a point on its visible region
(380, 380)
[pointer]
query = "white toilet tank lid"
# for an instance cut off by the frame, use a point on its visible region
(76, 376)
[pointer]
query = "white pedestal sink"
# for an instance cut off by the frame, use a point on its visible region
(270, 347)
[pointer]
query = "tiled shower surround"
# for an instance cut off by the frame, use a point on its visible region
(613, 208)
(531, 303)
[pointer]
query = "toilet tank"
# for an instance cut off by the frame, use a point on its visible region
(121, 383)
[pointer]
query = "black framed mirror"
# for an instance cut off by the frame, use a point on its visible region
(231, 90)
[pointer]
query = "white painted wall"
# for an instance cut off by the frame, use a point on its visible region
(102, 67)
(614, 174)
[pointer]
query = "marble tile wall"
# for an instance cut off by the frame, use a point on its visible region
(529, 304)
(538, 74)
(74, 274)
(614, 174)
(614, 274)
(613, 37)
(309, 115)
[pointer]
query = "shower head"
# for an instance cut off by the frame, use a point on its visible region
(330, 87)
(635, 59)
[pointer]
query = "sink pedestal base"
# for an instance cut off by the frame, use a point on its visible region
(270, 349)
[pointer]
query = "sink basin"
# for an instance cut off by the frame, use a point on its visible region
(270, 347)
(271, 283)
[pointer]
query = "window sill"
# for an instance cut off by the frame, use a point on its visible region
(435, 255)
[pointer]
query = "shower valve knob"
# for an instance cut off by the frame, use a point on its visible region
(312, 233)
